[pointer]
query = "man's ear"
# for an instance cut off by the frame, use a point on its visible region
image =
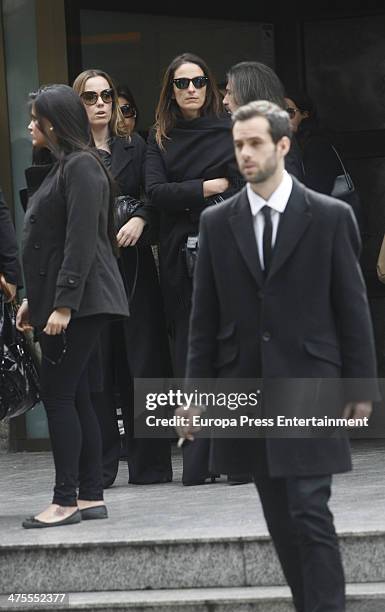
(283, 145)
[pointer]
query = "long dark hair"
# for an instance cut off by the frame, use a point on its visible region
(251, 81)
(62, 107)
(167, 110)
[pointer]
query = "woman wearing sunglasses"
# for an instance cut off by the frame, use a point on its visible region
(128, 107)
(190, 165)
(73, 288)
(137, 348)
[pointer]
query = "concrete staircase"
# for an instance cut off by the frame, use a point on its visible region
(168, 548)
(206, 575)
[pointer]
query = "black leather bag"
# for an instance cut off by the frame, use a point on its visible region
(125, 208)
(19, 378)
(344, 189)
(191, 247)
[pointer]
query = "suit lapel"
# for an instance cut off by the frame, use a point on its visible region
(241, 222)
(292, 225)
(122, 153)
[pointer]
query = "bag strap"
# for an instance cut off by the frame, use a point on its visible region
(348, 178)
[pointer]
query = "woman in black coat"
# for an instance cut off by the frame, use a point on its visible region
(190, 165)
(73, 289)
(137, 348)
(320, 162)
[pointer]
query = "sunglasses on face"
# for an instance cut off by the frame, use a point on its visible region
(91, 97)
(184, 82)
(292, 111)
(128, 111)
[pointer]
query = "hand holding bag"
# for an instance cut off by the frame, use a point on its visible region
(125, 208)
(381, 263)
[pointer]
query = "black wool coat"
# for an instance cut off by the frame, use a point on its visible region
(145, 331)
(197, 150)
(308, 319)
(67, 254)
(9, 262)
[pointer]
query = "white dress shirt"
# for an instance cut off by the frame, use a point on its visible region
(277, 202)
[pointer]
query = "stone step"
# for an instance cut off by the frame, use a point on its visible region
(360, 598)
(132, 565)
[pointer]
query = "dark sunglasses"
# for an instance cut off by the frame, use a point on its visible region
(63, 351)
(292, 111)
(184, 82)
(91, 97)
(128, 111)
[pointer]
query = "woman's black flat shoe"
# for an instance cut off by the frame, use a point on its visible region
(194, 483)
(33, 523)
(94, 512)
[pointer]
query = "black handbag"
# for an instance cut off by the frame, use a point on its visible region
(344, 189)
(19, 378)
(191, 247)
(125, 208)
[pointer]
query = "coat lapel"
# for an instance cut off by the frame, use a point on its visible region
(122, 154)
(241, 222)
(292, 225)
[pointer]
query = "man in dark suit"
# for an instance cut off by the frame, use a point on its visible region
(9, 263)
(279, 294)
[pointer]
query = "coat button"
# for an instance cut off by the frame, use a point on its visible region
(261, 295)
(266, 336)
(36, 245)
(32, 219)
(71, 281)
(42, 273)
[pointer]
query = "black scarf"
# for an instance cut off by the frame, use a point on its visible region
(201, 148)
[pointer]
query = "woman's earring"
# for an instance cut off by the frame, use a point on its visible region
(51, 129)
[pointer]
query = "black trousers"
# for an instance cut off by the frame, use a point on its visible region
(302, 529)
(148, 459)
(196, 453)
(73, 425)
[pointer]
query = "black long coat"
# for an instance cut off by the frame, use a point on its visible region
(9, 263)
(67, 254)
(145, 331)
(308, 319)
(197, 150)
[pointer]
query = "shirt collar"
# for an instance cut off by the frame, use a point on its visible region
(278, 199)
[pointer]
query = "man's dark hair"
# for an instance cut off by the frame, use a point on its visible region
(277, 118)
(251, 81)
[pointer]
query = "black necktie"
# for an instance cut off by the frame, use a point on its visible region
(267, 238)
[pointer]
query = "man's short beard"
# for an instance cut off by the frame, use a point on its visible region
(269, 168)
(261, 176)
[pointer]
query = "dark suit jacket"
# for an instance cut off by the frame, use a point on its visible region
(9, 263)
(67, 254)
(308, 319)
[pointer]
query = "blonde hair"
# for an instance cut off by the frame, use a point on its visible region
(117, 123)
